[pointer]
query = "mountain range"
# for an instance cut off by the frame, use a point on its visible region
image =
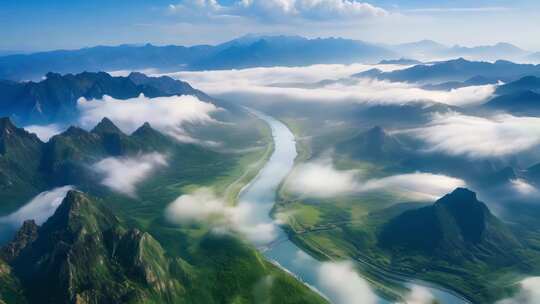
(428, 49)
(247, 51)
(459, 70)
(54, 99)
(29, 166)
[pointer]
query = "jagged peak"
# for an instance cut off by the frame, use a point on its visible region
(25, 236)
(74, 131)
(5, 122)
(106, 126)
(80, 214)
(8, 129)
(144, 130)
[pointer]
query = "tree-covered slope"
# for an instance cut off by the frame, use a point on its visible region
(85, 254)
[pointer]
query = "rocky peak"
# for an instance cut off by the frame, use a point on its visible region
(26, 235)
(106, 126)
(78, 215)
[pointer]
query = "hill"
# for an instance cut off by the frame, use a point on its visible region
(526, 102)
(458, 243)
(457, 226)
(519, 97)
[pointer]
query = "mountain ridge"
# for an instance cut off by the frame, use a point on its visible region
(54, 99)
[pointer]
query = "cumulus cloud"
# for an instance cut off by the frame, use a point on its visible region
(343, 285)
(168, 114)
(122, 174)
(472, 136)
(282, 10)
(44, 132)
(40, 208)
(299, 84)
(529, 293)
(320, 179)
(198, 206)
(203, 205)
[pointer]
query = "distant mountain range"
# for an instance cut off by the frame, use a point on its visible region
(247, 51)
(457, 70)
(428, 50)
(55, 97)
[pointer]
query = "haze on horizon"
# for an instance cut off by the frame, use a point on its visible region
(36, 25)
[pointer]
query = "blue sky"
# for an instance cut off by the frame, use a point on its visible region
(31, 25)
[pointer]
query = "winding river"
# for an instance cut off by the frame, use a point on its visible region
(259, 197)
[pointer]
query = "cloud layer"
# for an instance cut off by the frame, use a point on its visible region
(40, 208)
(458, 134)
(320, 179)
(122, 174)
(280, 10)
(299, 84)
(167, 114)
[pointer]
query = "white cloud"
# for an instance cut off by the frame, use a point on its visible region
(44, 132)
(122, 174)
(415, 185)
(286, 84)
(167, 114)
(419, 295)
(40, 208)
(523, 188)
(501, 135)
(200, 205)
(341, 282)
(203, 205)
(321, 179)
(281, 10)
(529, 293)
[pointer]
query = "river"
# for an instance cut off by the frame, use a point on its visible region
(259, 196)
